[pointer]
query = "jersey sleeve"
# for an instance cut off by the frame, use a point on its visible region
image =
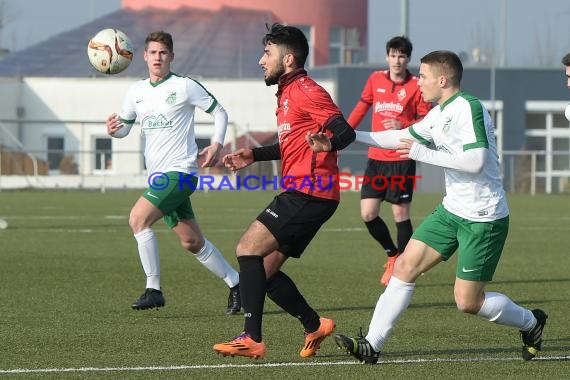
(200, 97)
(203, 99)
(363, 105)
(318, 104)
(421, 131)
(473, 123)
(128, 114)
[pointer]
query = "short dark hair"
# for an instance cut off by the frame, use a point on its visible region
(566, 60)
(448, 64)
(162, 37)
(291, 38)
(401, 44)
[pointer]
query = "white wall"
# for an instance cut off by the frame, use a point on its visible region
(10, 95)
(76, 108)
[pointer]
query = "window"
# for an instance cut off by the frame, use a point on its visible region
(55, 151)
(335, 45)
(103, 153)
(344, 45)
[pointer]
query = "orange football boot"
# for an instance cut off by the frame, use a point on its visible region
(313, 340)
(242, 345)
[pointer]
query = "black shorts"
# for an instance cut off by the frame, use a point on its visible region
(294, 219)
(391, 181)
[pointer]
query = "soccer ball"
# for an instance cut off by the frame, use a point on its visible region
(110, 51)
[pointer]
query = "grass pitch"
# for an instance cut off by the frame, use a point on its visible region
(70, 270)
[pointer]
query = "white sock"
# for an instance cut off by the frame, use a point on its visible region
(150, 259)
(390, 306)
(212, 259)
(498, 308)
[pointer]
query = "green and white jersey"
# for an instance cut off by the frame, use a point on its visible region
(458, 125)
(165, 111)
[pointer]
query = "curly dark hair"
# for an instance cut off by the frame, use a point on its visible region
(290, 38)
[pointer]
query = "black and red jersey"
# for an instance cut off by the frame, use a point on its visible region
(302, 106)
(389, 100)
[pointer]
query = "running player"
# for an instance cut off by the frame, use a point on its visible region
(165, 104)
(473, 217)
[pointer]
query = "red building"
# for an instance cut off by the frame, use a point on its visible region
(336, 29)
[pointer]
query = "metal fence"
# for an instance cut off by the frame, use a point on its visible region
(530, 172)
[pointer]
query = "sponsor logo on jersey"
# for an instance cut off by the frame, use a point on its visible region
(156, 122)
(388, 106)
(282, 130)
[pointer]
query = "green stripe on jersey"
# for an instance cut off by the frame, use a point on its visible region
(478, 120)
(417, 136)
(214, 103)
(125, 121)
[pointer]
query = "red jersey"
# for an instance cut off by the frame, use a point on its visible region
(303, 105)
(401, 101)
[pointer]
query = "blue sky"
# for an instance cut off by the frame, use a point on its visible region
(536, 32)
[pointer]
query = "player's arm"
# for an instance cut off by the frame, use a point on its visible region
(220, 124)
(119, 125)
(267, 153)
(471, 158)
(358, 113)
(203, 99)
(469, 161)
(343, 135)
(363, 105)
(389, 139)
(408, 146)
(244, 157)
(211, 153)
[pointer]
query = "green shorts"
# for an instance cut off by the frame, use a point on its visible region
(480, 244)
(172, 196)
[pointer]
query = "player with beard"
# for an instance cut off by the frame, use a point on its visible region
(310, 196)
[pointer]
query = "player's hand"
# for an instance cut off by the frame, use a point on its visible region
(113, 123)
(391, 124)
(319, 142)
(210, 154)
(238, 160)
(403, 149)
